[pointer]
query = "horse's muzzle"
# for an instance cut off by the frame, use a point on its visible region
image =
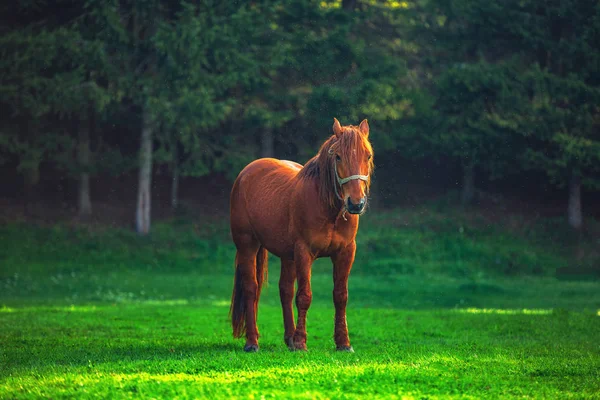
(356, 208)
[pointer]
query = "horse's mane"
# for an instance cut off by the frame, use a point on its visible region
(321, 166)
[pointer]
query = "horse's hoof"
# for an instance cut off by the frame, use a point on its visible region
(297, 346)
(346, 349)
(289, 342)
(251, 348)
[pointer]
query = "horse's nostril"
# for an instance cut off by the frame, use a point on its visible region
(356, 207)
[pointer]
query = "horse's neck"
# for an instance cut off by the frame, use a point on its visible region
(326, 210)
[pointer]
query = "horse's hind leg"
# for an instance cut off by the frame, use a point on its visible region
(286, 293)
(248, 287)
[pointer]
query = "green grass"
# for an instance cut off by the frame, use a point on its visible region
(440, 306)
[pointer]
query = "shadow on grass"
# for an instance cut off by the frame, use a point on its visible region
(39, 356)
(84, 340)
(433, 367)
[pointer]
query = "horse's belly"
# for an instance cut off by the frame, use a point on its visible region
(277, 242)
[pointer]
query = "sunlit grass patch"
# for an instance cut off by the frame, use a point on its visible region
(37, 309)
(472, 370)
(90, 308)
(156, 302)
(186, 350)
(221, 303)
(433, 312)
(523, 311)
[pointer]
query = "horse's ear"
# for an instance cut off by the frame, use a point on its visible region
(364, 127)
(337, 128)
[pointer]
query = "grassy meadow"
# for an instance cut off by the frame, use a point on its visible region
(441, 305)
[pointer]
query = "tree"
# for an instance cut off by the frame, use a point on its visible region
(478, 105)
(127, 31)
(49, 82)
(563, 121)
(469, 51)
(199, 101)
(564, 135)
(23, 96)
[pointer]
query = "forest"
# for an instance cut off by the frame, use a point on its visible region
(472, 96)
(476, 267)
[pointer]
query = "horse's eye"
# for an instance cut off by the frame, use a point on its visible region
(338, 158)
(369, 156)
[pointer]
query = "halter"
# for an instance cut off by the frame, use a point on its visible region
(342, 181)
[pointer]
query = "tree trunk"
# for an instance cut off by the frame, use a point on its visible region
(175, 180)
(468, 188)
(83, 154)
(31, 167)
(31, 177)
(142, 217)
(266, 143)
(574, 210)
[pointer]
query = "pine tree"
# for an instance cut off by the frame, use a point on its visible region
(469, 53)
(50, 83)
(561, 40)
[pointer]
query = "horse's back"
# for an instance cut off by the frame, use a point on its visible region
(266, 174)
(268, 165)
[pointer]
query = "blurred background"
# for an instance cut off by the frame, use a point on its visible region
(123, 124)
(123, 113)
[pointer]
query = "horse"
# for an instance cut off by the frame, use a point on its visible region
(299, 214)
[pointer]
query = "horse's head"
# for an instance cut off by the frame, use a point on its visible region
(351, 157)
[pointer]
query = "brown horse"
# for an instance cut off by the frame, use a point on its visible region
(299, 214)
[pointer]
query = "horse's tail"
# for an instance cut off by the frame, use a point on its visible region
(262, 269)
(237, 311)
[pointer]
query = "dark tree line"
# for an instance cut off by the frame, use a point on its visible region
(202, 87)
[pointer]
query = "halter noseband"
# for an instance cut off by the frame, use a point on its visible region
(342, 181)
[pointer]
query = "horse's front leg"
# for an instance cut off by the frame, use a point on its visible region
(342, 264)
(303, 261)
(286, 293)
